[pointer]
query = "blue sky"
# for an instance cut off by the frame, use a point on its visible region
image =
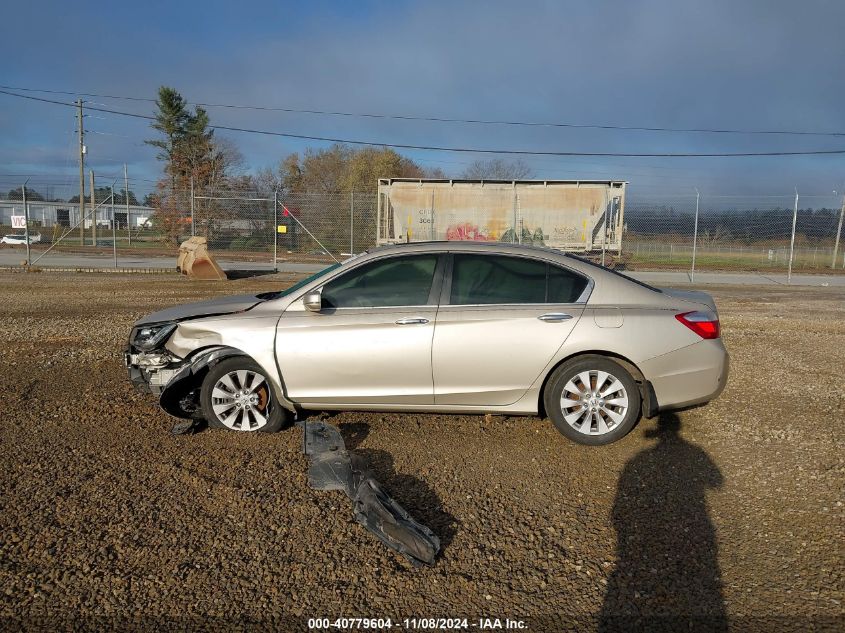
(726, 64)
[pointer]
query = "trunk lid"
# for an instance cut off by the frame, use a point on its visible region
(694, 296)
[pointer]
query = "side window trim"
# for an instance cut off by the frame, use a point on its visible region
(446, 295)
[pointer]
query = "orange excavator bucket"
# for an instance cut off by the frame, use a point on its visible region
(196, 262)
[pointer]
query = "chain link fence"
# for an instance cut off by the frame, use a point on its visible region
(763, 234)
(691, 233)
(282, 227)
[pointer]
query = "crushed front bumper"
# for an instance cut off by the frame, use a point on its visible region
(151, 379)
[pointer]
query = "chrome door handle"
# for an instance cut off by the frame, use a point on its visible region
(555, 317)
(412, 321)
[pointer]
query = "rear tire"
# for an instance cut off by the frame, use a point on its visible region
(236, 395)
(592, 400)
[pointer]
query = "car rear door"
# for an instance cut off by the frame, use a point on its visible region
(500, 322)
(371, 343)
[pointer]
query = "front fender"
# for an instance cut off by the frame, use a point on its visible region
(189, 378)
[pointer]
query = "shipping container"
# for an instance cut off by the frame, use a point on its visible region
(581, 216)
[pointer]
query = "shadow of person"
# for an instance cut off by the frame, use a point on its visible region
(667, 572)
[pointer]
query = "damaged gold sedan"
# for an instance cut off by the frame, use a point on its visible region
(450, 327)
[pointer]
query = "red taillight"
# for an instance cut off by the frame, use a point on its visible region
(702, 322)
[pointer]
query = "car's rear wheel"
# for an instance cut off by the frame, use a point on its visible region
(236, 395)
(592, 400)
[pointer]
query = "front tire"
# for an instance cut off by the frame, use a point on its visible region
(236, 395)
(592, 400)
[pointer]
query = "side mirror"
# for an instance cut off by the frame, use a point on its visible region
(313, 301)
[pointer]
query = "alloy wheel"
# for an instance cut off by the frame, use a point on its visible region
(594, 402)
(241, 400)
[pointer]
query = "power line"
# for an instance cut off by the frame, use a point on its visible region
(466, 150)
(401, 117)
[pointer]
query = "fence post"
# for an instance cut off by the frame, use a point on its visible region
(604, 227)
(192, 207)
(513, 235)
(275, 230)
(433, 224)
(838, 233)
(694, 236)
(93, 213)
(113, 228)
(26, 222)
(792, 241)
(126, 199)
(351, 223)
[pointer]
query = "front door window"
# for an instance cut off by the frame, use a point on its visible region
(397, 281)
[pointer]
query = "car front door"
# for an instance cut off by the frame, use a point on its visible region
(500, 323)
(371, 342)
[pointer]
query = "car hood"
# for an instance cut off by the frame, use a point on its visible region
(696, 296)
(210, 307)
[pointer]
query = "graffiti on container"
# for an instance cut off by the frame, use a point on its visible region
(568, 233)
(466, 231)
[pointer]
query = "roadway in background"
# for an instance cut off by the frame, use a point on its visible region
(13, 257)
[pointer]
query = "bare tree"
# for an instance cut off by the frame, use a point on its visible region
(498, 169)
(715, 236)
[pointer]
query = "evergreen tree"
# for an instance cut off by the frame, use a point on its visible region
(171, 121)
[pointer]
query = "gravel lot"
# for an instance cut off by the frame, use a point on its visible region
(734, 509)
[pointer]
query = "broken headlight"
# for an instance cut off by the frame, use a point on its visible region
(153, 359)
(149, 337)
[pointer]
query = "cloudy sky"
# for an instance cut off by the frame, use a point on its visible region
(749, 65)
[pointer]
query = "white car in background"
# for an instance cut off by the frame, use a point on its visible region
(34, 238)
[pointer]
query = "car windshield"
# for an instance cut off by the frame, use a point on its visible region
(615, 272)
(282, 293)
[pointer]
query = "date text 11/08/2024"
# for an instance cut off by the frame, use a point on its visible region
(418, 623)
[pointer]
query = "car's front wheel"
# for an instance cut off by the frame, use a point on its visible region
(236, 395)
(592, 400)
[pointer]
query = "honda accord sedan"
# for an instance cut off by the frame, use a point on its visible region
(450, 327)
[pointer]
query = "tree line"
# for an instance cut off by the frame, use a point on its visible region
(731, 224)
(101, 194)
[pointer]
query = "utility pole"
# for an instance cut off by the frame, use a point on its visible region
(93, 213)
(81, 173)
(838, 233)
(126, 199)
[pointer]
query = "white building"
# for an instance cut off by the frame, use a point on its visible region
(48, 214)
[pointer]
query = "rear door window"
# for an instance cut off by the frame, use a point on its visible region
(500, 279)
(487, 279)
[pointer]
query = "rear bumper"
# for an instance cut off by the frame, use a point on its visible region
(688, 376)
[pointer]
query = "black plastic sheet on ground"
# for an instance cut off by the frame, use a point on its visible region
(335, 468)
